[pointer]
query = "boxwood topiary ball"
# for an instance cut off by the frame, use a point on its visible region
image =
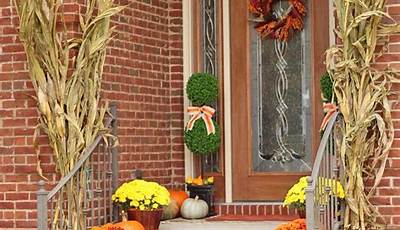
(326, 87)
(202, 89)
(199, 142)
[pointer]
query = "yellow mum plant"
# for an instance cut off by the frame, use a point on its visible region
(296, 196)
(142, 195)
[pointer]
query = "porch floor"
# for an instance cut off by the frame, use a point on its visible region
(182, 224)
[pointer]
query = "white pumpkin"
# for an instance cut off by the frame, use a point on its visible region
(194, 208)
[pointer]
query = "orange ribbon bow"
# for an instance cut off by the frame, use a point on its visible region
(204, 112)
(329, 109)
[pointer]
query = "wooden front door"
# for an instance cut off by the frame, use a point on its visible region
(276, 106)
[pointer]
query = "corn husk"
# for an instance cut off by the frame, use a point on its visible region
(69, 108)
(362, 93)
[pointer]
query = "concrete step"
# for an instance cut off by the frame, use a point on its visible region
(181, 224)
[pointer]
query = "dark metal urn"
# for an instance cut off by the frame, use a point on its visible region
(204, 192)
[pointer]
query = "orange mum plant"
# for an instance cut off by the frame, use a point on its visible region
(200, 181)
(298, 224)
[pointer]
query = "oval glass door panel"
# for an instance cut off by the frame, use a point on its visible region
(280, 96)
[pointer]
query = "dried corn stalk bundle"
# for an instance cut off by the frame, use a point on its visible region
(68, 101)
(362, 93)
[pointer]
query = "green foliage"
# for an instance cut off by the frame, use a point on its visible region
(199, 142)
(326, 87)
(202, 89)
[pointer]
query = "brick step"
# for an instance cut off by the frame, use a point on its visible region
(255, 209)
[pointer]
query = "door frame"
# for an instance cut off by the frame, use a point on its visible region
(241, 100)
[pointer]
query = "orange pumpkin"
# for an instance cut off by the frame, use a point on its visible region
(106, 226)
(129, 225)
(179, 196)
(114, 228)
(125, 225)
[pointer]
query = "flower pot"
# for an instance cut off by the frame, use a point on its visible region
(204, 192)
(149, 219)
(301, 213)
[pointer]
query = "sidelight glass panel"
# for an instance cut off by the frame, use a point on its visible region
(281, 101)
(209, 11)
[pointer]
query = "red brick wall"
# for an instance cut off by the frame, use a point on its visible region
(143, 73)
(387, 196)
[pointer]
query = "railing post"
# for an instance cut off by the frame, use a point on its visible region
(114, 155)
(42, 207)
(310, 208)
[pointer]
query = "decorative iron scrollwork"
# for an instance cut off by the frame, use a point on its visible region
(209, 12)
(283, 153)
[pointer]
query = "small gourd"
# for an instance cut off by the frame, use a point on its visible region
(171, 211)
(194, 208)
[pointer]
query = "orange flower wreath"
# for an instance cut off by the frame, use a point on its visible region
(272, 27)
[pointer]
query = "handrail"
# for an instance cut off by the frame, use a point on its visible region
(323, 206)
(105, 160)
(321, 148)
(88, 151)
